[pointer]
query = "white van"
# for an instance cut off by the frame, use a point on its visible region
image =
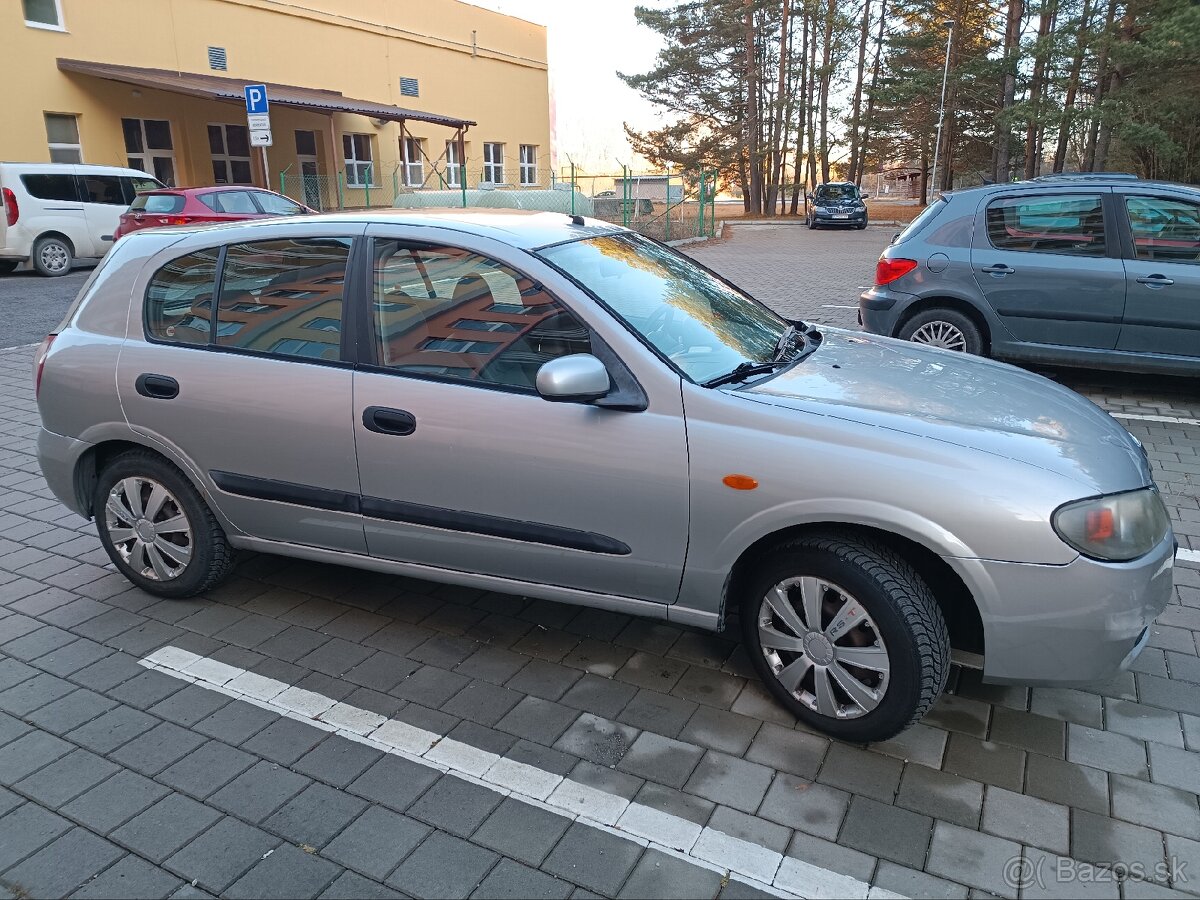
(55, 213)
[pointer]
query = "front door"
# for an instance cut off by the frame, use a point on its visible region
(260, 400)
(1049, 266)
(1162, 307)
(464, 466)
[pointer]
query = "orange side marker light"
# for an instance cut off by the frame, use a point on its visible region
(740, 482)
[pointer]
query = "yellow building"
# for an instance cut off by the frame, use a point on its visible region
(367, 97)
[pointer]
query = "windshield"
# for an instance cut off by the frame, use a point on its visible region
(704, 326)
(837, 192)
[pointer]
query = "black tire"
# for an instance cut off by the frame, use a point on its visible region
(811, 221)
(211, 557)
(972, 339)
(7, 266)
(901, 609)
(52, 256)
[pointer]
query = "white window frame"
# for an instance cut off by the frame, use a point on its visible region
(352, 162)
(147, 156)
(414, 166)
(528, 167)
(227, 157)
(454, 167)
(45, 27)
(77, 146)
(493, 169)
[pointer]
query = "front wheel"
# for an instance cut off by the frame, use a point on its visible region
(811, 223)
(157, 529)
(847, 636)
(945, 328)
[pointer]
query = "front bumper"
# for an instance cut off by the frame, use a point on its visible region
(851, 217)
(58, 456)
(1076, 624)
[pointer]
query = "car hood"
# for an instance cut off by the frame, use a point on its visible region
(964, 400)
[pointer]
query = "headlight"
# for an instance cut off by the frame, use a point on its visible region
(1116, 528)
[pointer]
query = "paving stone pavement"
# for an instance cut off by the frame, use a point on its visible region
(120, 780)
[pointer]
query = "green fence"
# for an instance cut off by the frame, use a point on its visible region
(665, 205)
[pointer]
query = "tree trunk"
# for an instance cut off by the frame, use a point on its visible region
(1064, 127)
(1089, 154)
(866, 124)
(1104, 136)
(752, 187)
(812, 95)
(1036, 89)
(826, 77)
(805, 97)
(924, 200)
(1008, 90)
(856, 104)
(778, 151)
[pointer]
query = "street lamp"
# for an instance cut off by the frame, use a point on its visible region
(949, 26)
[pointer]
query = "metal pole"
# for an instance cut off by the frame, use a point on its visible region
(701, 223)
(572, 186)
(942, 107)
(266, 169)
(462, 166)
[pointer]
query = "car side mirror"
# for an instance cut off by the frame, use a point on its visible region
(866, 196)
(578, 378)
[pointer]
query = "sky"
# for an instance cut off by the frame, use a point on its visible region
(587, 44)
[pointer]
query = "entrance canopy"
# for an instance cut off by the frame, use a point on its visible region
(216, 87)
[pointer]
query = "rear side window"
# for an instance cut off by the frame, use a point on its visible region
(51, 187)
(284, 297)
(230, 202)
(180, 297)
(158, 203)
(1072, 225)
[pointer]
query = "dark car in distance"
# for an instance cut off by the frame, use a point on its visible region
(195, 206)
(1096, 270)
(837, 203)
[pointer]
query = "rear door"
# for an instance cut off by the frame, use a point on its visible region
(104, 200)
(1049, 265)
(1162, 307)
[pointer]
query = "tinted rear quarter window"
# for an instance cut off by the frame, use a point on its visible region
(158, 203)
(179, 299)
(51, 187)
(927, 215)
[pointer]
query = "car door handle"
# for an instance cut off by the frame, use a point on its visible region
(998, 269)
(1156, 281)
(157, 387)
(383, 420)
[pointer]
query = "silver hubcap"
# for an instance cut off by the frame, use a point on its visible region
(823, 647)
(940, 334)
(149, 528)
(55, 257)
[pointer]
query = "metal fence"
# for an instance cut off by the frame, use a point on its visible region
(665, 205)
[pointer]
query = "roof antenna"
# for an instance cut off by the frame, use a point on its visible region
(577, 220)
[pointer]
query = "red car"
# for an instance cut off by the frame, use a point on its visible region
(188, 206)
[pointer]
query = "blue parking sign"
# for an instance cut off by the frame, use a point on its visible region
(256, 98)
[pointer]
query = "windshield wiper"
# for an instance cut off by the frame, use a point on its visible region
(745, 370)
(792, 335)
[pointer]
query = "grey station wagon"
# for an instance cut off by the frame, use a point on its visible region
(559, 408)
(1087, 270)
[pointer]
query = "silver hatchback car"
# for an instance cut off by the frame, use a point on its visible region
(556, 407)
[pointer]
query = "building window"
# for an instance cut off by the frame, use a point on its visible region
(357, 151)
(493, 163)
(43, 14)
(62, 133)
(453, 165)
(414, 166)
(148, 147)
(528, 164)
(410, 87)
(230, 148)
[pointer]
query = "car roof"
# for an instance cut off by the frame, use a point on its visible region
(80, 168)
(525, 229)
(210, 189)
(1050, 184)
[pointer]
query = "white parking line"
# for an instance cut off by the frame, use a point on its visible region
(1190, 556)
(838, 306)
(755, 865)
(1174, 420)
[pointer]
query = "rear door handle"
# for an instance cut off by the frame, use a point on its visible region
(1156, 280)
(384, 420)
(157, 387)
(998, 269)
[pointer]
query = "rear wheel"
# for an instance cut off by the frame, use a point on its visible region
(945, 328)
(157, 529)
(847, 636)
(52, 256)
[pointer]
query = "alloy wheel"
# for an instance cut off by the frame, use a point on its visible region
(54, 257)
(940, 334)
(823, 647)
(149, 528)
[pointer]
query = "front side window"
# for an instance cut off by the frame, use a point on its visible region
(493, 163)
(179, 299)
(703, 325)
(106, 189)
(528, 164)
(1166, 230)
(1072, 225)
(414, 167)
(52, 187)
(275, 205)
(230, 149)
(43, 14)
(449, 313)
(284, 297)
(357, 151)
(62, 135)
(149, 148)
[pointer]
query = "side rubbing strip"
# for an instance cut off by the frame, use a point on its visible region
(494, 526)
(285, 492)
